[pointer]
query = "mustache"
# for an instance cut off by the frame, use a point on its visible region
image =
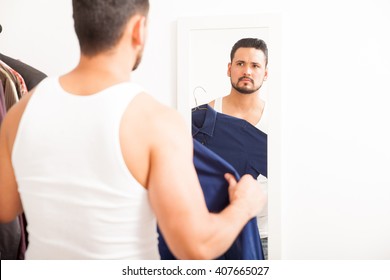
(240, 79)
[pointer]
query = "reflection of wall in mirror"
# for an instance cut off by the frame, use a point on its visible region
(210, 55)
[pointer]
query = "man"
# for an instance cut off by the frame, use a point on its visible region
(92, 159)
(247, 71)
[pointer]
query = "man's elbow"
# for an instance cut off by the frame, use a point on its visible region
(8, 214)
(195, 251)
(6, 218)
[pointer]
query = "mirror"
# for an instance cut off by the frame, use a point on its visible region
(204, 45)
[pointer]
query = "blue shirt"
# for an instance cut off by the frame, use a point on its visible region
(235, 140)
(211, 169)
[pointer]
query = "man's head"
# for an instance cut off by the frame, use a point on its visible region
(248, 66)
(255, 43)
(100, 24)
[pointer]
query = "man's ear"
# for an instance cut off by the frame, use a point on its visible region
(265, 74)
(139, 31)
(229, 69)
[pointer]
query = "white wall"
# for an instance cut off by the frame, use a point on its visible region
(39, 33)
(335, 95)
(209, 58)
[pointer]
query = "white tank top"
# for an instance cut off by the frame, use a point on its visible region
(80, 200)
(261, 125)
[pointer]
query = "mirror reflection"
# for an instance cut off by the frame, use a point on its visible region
(234, 125)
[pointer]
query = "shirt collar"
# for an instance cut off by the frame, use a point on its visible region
(210, 119)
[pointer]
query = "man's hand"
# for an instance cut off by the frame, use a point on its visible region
(247, 194)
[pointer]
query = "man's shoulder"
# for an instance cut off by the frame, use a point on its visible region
(156, 125)
(212, 103)
(154, 108)
(216, 103)
(156, 115)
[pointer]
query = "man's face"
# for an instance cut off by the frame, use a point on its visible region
(247, 71)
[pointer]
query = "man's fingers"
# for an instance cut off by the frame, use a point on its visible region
(231, 180)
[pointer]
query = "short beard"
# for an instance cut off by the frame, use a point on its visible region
(242, 89)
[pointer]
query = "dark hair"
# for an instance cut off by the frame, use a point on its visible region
(99, 24)
(250, 43)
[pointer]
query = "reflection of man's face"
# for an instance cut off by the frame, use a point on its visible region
(247, 71)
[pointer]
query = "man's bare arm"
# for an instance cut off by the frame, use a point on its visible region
(177, 199)
(10, 203)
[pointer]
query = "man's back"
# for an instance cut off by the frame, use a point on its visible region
(73, 166)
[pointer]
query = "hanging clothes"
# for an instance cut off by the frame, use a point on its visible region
(210, 169)
(13, 235)
(2, 102)
(10, 239)
(10, 233)
(10, 92)
(30, 75)
(235, 140)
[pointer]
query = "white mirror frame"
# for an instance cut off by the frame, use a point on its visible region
(272, 22)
